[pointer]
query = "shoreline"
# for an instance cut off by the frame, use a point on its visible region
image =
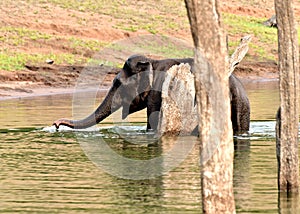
(60, 79)
(47, 91)
(14, 92)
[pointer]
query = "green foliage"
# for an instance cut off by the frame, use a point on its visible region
(14, 37)
(167, 48)
(18, 36)
(264, 38)
(158, 45)
(11, 61)
(95, 62)
(93, 45)
(249, 25)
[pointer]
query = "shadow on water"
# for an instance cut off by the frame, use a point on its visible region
(47, 171)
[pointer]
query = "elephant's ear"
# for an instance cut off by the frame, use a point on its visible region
(142, 66)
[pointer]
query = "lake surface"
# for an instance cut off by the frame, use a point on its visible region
(43, 171)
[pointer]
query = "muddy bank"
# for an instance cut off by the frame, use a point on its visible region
(54, 79)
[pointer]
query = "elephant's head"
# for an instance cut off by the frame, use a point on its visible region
(136, 79)
(130, 90)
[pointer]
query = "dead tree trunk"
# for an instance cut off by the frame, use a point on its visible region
(178, 114)
(212, 91)
(287, 127)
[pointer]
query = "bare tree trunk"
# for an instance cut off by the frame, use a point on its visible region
(287, 127)
(178, 115)
(212, 91)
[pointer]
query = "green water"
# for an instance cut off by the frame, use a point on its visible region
(55, 172)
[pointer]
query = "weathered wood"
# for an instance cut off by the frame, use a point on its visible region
(271, 22)
(178, 113)
(239, 53)
(287, 128)
(212, 91)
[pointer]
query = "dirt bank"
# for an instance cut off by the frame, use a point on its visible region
(58, 21)
(49, 79)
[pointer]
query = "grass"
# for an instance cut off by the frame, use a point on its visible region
(96, 62)
(14, 37)
(131, 15)
(167, 47)
(17, 36)
(153, 16)
(156, 45)
(264, 38)
(92, 45)
(11, 61)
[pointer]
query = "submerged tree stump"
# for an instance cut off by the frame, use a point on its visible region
(178, 113)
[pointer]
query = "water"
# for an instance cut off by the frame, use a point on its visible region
(52, 172)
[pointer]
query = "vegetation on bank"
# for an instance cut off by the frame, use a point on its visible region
(154, 16)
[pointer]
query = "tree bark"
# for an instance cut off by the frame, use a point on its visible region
(287, 127)
(212, 91)
(178, 114)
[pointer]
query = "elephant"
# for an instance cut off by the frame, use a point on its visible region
(138, 86)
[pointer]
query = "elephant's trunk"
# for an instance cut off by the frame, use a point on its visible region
(108, 106)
